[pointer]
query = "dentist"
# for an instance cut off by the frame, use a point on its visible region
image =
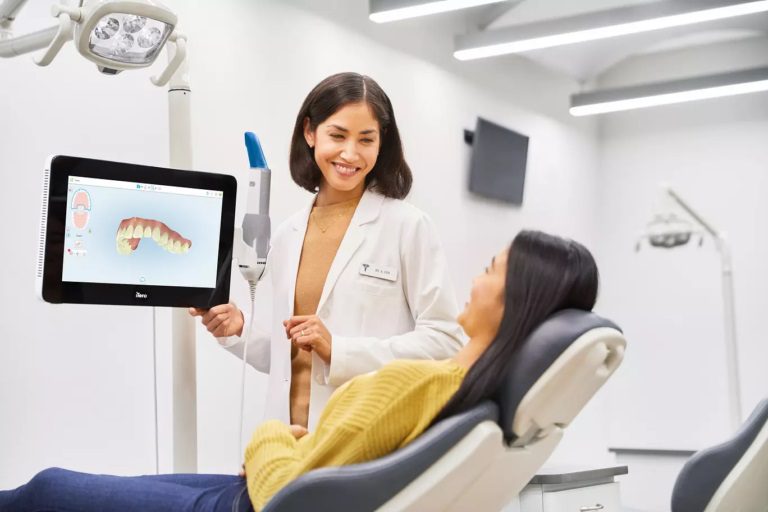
(358, 277)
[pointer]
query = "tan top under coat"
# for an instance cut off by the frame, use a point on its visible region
(325, 231)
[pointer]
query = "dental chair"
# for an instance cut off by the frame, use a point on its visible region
(481, 459)
(729, 477)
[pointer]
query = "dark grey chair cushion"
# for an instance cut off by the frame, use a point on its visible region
(703, 473)
(537, 354)
(367, 486)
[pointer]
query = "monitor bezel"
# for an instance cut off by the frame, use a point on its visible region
(55, 290)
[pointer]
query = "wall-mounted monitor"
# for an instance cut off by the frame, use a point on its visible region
(128, 234)
(498, 163)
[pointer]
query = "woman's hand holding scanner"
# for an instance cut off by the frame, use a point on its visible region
(309, 333)
(222, 321)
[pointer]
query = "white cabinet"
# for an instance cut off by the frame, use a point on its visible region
(594, 498)
(572, 490)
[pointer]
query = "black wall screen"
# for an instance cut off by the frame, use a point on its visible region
(497, 166)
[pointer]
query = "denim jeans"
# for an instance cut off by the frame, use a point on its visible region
(60, 490)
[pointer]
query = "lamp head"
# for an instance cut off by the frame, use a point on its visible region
(668, 230)
(123, 34)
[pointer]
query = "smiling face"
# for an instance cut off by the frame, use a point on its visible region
(346, 146)
(483, 313)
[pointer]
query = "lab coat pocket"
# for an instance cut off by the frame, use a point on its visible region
(380, 287)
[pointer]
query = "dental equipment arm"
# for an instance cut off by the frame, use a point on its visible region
(251, 246)
(252, 239)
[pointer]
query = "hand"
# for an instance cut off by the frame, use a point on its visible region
(309, 333)
(241, 474)
(298, 431)
(222, 321)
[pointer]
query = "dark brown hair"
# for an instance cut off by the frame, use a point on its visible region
(545, 273)
(391, 175)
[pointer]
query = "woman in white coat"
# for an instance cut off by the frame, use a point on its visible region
(358, 276)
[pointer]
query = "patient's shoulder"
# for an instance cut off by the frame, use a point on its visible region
(413, 370)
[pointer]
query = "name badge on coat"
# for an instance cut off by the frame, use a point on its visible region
(378, 271)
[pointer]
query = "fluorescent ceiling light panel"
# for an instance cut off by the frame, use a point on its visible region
(665, 93)
(383, 11)
(601, 25)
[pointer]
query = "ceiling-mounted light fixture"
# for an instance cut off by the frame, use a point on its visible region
(601, 25)
(665, 93)
(114, 34)
(382, 11)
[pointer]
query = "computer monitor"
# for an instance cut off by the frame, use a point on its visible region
(128, 234)
(498, 162)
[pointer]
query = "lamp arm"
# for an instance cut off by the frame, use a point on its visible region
(9, 9)
(20, 45)
(729, 309)
(178, 57)
(64, 33)
(693, 213)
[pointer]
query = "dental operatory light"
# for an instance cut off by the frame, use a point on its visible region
(669, 229)
(123, 34)
(114, 34)
(382, 11)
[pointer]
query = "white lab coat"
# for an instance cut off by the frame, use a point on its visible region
(409, 314)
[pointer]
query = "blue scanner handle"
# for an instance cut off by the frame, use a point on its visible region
(256, 157)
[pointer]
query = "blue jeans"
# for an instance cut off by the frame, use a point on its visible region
(60, 490)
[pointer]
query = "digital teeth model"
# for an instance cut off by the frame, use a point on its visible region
(131, 231)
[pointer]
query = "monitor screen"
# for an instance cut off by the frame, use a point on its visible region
(118, 233)
(124, 232)
(498, 162)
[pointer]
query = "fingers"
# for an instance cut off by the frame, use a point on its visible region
(221, 309)
(197, 311)
(298, 431)
(294, 321)
(301, 329)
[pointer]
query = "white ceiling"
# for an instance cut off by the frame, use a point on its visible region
(585, 61)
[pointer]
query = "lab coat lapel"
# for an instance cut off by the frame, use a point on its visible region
(367, 210)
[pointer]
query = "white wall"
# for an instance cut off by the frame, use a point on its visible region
(671, 392)
(76, 381)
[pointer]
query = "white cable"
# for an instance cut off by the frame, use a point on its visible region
(252, 289)
(154, 365)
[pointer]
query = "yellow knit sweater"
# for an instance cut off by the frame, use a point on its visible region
(368, 417)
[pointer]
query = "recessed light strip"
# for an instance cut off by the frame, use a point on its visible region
(679, 91)
(479, 49)
(383, 11)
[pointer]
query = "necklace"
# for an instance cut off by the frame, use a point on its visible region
(330, 220)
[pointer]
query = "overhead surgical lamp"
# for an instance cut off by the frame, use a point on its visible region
(114, 34)
(119, 35)
(667, 230)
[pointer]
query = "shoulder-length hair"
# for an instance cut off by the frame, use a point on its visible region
(391, 175)
(545, 274)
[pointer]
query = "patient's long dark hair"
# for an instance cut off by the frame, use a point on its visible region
(545, 274)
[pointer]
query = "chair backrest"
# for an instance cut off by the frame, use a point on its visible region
(556, 372)
(732, 476)
(463, 462)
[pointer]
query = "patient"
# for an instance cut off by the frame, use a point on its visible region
(370, 416)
